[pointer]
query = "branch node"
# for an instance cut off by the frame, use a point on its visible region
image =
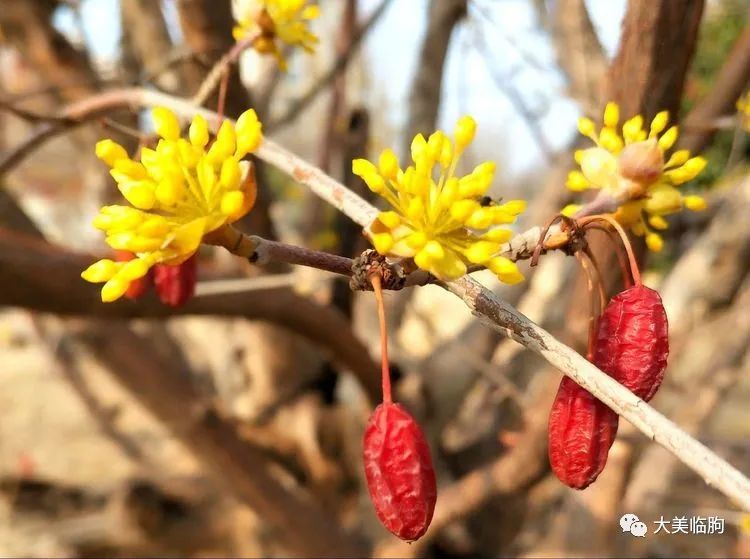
(371, 263)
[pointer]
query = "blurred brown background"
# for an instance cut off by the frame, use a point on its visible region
(232, 427)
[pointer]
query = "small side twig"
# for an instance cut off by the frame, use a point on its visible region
(222, 66)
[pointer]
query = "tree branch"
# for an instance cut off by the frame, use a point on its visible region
(495, 312)
(39, 276)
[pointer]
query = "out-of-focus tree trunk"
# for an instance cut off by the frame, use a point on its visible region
(145, 33)
(658, 42)
(424, 99)
(579, 52)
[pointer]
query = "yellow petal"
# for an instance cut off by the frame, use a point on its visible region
(514, 207)
(187, 238)
(482, 218)
(658, 222)
(695, 203)
(231, 174)
(140, 194)
(659, 123)
(599, 167)
(481, 251)
(577, 182)
(249, 133)
(435, 250)
(570, 210)
(498, 235)
(390, 219)
(465, 131)
(669, 138)
(611, 115)
(461, 210)
(198, 132)
(382, 242)
(664, 199)
(632, 128)
(678, 158)
(505, 269)
(166, 124)
(133, 269)
(100, 271)
(114, 289)
(654, 242)
(586, 127)
(167, 192)
(232, 203)
(110, 152)
(450, 267)
(388, 164)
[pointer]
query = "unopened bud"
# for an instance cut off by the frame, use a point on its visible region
(642, 162)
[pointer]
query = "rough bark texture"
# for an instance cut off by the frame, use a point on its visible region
(658, 42)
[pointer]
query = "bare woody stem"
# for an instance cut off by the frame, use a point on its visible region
(385, 370)
(498, 314)
(262, 251)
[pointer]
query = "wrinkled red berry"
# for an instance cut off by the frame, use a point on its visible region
(399, 471)
(632, 343)
(176, 284)
(581, 431)
(138, 287)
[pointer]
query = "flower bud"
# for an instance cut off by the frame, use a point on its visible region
(642, 162)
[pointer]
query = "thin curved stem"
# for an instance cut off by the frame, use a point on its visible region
(621, 255)
(625, 241)
(585, 264)
(385, 369)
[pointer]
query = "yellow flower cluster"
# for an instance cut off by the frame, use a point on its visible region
(440, 219)
(179, 192)
(632, 165)
(743, 106)
(275, 23)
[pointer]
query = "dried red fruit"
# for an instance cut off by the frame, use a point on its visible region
(632, 342)
(399, 471)
(176, 284)
(580, 433)
(139, 287)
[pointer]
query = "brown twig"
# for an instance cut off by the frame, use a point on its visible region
(214, 77)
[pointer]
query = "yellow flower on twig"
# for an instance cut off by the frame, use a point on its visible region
(178, 192)
(276, 23)
(631, 163)
(439, 219)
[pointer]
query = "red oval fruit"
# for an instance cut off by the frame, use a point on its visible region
(399, 471)
(581, 431)
(176, 284)
(138, 287)
(632, 342)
